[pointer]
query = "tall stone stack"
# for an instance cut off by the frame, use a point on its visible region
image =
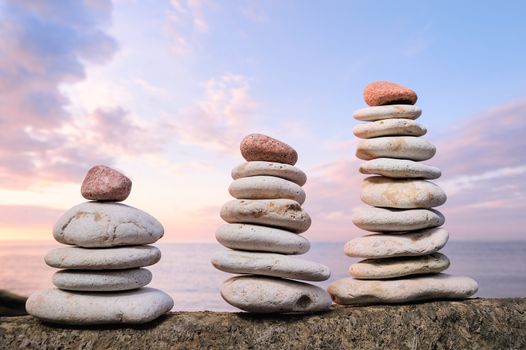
(264, 226)
(401, 259)
(102, 276)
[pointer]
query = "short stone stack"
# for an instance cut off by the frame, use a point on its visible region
(402, 263)
(102, 274)
(264, 223)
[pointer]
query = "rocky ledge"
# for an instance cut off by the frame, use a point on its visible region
(471, 324)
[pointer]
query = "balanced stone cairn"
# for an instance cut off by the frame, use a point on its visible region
(102, 277)
(402, 262)
(264, 224)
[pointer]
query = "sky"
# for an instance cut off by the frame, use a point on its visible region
(164, 91)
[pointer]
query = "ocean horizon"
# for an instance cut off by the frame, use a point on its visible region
(185, 271)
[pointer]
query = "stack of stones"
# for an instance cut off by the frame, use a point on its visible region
(402, 262)
(102, 277)
(264, 224)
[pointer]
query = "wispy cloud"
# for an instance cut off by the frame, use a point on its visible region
(185, 20)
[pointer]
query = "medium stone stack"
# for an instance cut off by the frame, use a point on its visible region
(263, 231)
(102, 273)
(402, 262)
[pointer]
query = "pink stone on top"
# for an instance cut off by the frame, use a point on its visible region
(103, 183)
(381, 93)
(259, 147)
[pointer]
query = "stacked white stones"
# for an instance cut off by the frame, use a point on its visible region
(263, 231)
(102, 276)
(402, 260)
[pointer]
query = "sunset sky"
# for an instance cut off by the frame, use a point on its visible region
(165, 90)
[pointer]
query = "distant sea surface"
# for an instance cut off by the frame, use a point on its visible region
(186, 274)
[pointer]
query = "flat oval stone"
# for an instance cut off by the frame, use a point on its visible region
(349, 291)
(380, 93)
(274, 295)
(399, 168)
(281, 213)
(379, 191)
(266, 187)
(265, 148)
(387, 112)
(389, 127)
(269, 264)
(386, 246)
(395, 220)
(103, 259)
(397, 267)
(101, 281)
(258, 168)
(261, 238)
(401, 147)
(90, 308)
(103, 183)
(97, 225)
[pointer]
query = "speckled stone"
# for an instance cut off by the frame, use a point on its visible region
(401, 147)
(259, 147)
(381, 93)
(387, 112)
(399, 168)
(396, 220)
(103, 183)
(266, 187)
(101, 281)
(258, 168)
(389, 127)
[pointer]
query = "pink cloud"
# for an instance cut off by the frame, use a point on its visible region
(28, 216)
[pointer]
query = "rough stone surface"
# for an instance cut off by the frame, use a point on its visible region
(400, 147)
(266, 187)
(103, 183)
(274, 295)
(261, 238)
(389, 127)
(102, 259)
(387, 112)
(99, 224)
(379, 191)
(379, 93)
(101, 281)
(80, 308)
(281, 213)
(270, 264)
(385, 246)
(396, 220)
(265, 148)
(258, 168)
(398, 267)
(468, 324)
(349, 291)
(399, 168)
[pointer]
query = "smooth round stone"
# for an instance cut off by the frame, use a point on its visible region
(396, 220)
(269, 264)
(101, 281)
(102, 259)
(399, 168)
(103, 183)
(99, 224)
(280, 213)
(266, 187)
(401, 147)
(274, 295)
(386, 246)
(371, 114)
(258, 168)
(380, 191)
(380, 93)
(349, 291)
(90, 308)
(389, 127)
(265, 148)
(398, 267)
(261, 238)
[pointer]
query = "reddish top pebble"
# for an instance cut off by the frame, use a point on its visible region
(265, 148)
(103, 183)
(381, 93)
